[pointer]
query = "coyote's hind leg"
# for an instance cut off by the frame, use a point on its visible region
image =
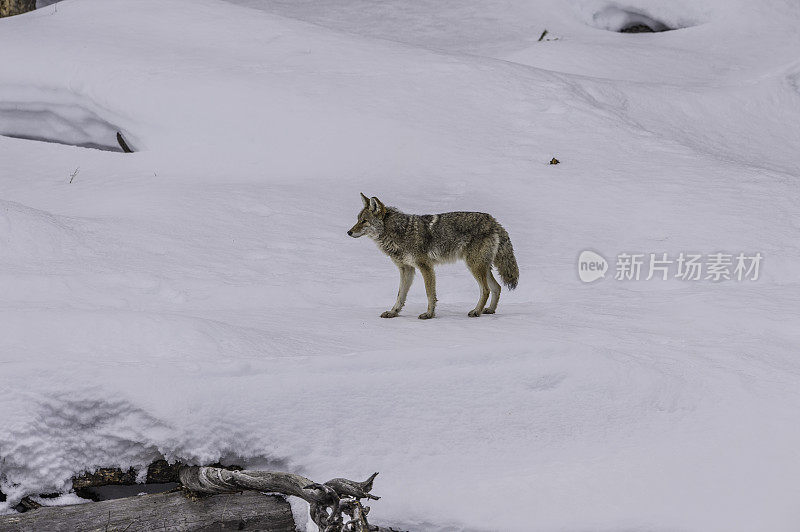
(480, 272)
(494, 287)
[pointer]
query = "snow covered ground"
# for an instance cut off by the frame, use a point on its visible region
(199, 299)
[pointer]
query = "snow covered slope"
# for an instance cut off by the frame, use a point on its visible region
(199, 299)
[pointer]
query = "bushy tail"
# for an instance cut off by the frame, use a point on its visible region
(505, 261)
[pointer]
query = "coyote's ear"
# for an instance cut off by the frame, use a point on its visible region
(377, 207)
(365, 200)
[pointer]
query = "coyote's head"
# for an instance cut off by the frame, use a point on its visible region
(370, 219)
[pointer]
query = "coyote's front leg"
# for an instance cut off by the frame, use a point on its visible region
(406, 277)
(430, 290)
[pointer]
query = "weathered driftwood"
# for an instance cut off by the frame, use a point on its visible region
(335, 505)
(172, 512)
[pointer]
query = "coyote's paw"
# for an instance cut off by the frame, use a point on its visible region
(474, 313)
(487, 310)
(389, 314)
(426, 315)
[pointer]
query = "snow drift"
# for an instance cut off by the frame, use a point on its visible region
(199, 299)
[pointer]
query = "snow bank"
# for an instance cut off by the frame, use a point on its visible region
(55, 117)
(199, 299)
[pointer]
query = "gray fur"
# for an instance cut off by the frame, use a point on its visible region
(423, 241)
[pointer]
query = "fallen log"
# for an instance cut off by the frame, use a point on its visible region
(172, 511)
(210, 498)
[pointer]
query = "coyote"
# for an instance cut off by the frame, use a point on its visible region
(412, 240)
